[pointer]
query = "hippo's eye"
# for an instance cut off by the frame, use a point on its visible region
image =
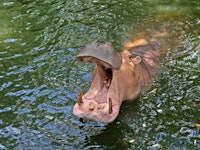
(130, 56)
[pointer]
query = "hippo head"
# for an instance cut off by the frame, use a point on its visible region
(116, 77)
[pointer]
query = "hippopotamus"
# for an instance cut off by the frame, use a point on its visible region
(117, 76)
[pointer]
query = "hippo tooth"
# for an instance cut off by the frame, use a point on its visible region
(80, 94)
(91, 106)
(107, 82)
(101, 106)
(110, 106)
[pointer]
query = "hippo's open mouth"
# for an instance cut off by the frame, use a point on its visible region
(100, 103)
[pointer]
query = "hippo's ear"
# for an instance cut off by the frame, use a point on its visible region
(136, 60)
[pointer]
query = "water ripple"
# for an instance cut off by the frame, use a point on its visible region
(10, 40)
(5, 85)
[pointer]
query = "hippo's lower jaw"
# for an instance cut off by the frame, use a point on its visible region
(98, 103)
(91, 110)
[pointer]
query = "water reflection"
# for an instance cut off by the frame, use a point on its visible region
(39, 77)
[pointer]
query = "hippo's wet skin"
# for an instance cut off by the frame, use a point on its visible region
(117, 76)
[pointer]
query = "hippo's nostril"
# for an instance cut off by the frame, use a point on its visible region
(80, 94)
(110, 106)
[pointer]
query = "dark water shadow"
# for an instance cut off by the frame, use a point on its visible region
(117, 134)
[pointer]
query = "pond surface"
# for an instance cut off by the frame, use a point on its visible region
(40, 78)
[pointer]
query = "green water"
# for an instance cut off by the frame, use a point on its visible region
(40, 78)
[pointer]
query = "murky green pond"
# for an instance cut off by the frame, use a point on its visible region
(40, 78)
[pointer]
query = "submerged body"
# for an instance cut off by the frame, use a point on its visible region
(118, 76)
